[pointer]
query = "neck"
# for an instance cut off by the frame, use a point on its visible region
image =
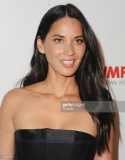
(59, 85)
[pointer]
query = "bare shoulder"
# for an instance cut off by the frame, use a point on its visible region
(9, 103)
(13, 92)
(13, 96)
(17, 94)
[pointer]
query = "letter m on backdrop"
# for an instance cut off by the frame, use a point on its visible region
(116, 72)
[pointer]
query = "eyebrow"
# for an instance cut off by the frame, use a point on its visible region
(58, 35)
(81, 36)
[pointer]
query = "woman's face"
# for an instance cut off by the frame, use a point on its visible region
(63, 46)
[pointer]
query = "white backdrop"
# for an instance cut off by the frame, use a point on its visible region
(19, 21)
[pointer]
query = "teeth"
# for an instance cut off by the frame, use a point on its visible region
(67, 62)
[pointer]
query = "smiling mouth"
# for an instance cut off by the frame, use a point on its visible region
(67, 62)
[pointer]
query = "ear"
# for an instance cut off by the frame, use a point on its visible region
(40, 45)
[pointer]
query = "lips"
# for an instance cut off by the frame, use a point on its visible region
(67, 63)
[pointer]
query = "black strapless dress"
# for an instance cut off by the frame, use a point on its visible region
(54, 144)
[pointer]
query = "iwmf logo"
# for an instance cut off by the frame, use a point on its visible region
(115, 72)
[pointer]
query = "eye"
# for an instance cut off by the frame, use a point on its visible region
(58, 40)
(79, 41)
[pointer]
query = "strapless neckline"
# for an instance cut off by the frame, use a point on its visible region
(53, 129)
(52, 144)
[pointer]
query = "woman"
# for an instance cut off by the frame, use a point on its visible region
(65, 66)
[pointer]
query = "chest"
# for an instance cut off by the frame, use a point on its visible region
(46, 111)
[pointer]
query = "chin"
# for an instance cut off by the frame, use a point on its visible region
(67, 74)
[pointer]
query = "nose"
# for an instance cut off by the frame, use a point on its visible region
(69, 50)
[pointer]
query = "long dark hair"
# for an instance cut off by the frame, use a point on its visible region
(89, 76)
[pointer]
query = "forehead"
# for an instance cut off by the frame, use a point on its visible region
(66, 25)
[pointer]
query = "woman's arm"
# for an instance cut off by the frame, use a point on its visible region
(107, 155)
(7, 148)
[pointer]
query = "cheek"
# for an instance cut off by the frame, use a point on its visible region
(81, 52)
(84, 50)
(52, 50)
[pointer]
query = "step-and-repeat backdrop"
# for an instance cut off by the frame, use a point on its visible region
(18, 25)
